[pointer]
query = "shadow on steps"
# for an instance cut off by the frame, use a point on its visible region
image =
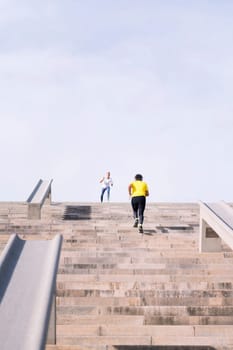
(77, 212)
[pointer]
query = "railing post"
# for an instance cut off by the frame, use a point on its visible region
(34, 211)
(48, 199)
(209, 241)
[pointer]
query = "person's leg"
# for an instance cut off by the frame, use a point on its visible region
(108, 193)
(141, 208)
(102, 194)
(134, 203)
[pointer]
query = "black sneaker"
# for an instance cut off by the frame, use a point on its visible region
(135, 223)
(140, 229)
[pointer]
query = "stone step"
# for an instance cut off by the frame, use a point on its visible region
(92, 319)
(128, 248)
(154, 330)
(213, 297)
(120, 289)
(143, 347)
(147, 254)
(117, 244)
(70, 258)
(135, 340)
(74, 347)
(94, 251)
(149, 310)
(151, 315)
(145, 269)
(113, 233)
(87, 320)
(129, 264)
(104, 281)
(177, 299)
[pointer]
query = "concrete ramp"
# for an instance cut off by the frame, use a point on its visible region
(216, 224)
(27, 287)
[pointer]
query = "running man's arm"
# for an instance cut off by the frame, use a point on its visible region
(130, 189)
(147, 191)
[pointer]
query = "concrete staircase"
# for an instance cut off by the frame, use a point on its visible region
(117, 288)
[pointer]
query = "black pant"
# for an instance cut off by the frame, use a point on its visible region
(138, 205)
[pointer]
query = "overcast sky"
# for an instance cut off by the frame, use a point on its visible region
(130, 86)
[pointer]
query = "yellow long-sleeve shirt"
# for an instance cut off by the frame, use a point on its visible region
(139, 188)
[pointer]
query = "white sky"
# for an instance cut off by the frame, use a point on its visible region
(130, 86)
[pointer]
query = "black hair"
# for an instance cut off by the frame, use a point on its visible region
(138, 177)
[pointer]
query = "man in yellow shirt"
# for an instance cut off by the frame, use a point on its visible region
(138, 191)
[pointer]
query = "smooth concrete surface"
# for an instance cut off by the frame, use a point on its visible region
(27, 283)
(216, 224)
